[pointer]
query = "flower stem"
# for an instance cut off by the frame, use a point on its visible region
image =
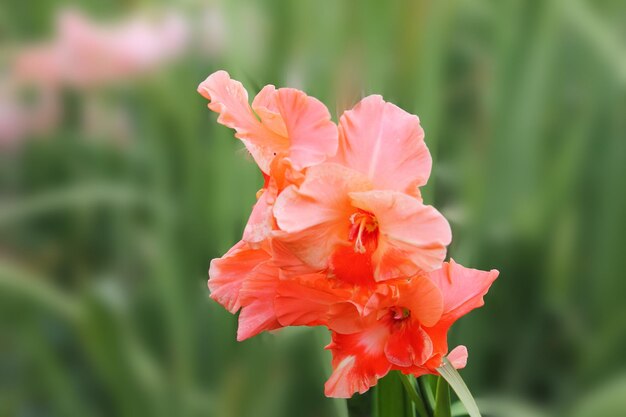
(409, 386)
(390, 399)
(443, 406)
(426, 389)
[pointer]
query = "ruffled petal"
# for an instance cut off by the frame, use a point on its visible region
(266, 107)
(230, 99)
(312, 135)
(463, 288)
(257, 299)
(422, 297)
(359, 361)
(385, 143)
(408, 345)
(314, 300)
(261, 221)
(413, 237)
(228, 273)
(314, 218)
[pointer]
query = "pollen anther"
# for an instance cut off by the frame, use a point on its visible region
(363, 225)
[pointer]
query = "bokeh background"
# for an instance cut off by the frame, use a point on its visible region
(117, 187)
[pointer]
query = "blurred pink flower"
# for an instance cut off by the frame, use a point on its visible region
(19, 117)
(84, 53)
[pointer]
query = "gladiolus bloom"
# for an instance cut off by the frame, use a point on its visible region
(340, 236)
(406, 328)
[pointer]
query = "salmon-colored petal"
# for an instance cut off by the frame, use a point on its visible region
(408, 345)
(314, 300)
(422, 297)
(359, 361)
(413, 237)
(290, 265)
(261, 220)
(439, 336)
(345, 317)
(228, 273)
(257, 299)
(229, 98)
(266, 107)
(314, 218)
(312, 135)
(385, 143)
(463, 288)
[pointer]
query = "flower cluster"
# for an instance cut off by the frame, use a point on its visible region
(340, 236)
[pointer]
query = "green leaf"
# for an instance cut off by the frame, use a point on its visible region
(391, 399)
(450, 374)
(411, 390)
(442, 404)
(426, 385)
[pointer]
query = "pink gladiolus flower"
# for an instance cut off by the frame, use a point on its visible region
(285, 131)
(87, 54)
(337, 221)
(284, 122)
(406, 328)
(340, 236)
(82, 55)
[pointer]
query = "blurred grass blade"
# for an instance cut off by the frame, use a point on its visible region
(457, 409)
(442, 404)
(85, 195)
(19, 282)
(600, 36)
(453, 378)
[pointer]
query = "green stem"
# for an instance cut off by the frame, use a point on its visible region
(415, 397)
(426, 390)
(442, 405)
(390, 398)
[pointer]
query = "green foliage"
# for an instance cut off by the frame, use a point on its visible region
(442, 408)
(391, 399)
(105, 243)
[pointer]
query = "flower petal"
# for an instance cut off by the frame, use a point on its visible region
(315, 218)
(261, 220)
(266, 107)
(358, 361)
(230, 99)
(385, 143)
(257, 299)
(463, 288)
(312, 135)
(313, 300)
(228, 273)
(422, 297)
(413, 237)
(458, 357)
(408, 345)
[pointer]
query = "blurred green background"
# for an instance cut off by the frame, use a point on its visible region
(109, 218)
